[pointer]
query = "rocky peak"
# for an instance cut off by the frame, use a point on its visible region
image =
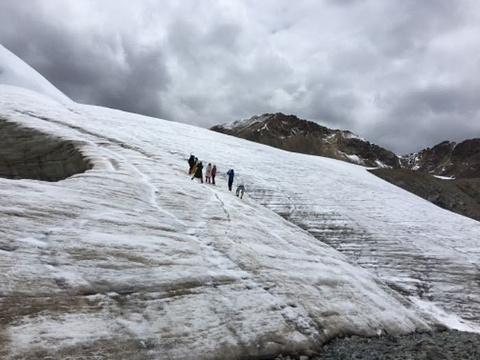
(291, 133)
(275, 124)
(447, 158)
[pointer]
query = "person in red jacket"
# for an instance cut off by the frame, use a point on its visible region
(214, 172)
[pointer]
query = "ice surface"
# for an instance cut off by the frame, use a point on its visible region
(133, 257)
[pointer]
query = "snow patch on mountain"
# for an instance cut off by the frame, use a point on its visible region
(244, 123)
(381, 165)
(350, 135)
(354, 159)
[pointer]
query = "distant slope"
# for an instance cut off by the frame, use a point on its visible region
(458, 160)
(460, 195)
(290, 133)
(15, 72)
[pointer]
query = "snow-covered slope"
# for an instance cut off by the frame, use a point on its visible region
(134, 259)
(15, 72)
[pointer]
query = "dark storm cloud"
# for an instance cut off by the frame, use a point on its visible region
(90, 67)
(135, 85)
(400, 73)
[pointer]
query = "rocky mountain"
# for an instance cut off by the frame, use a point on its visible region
(459, 163)
(288, 132)
(457, 160)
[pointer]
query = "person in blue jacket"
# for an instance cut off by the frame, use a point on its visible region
(231, 175)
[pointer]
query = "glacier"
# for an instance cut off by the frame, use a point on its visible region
(109, 249)
(133, 257)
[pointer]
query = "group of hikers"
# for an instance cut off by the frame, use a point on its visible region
(196, 170)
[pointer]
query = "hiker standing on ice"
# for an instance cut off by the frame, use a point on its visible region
(198, 172)
(191, 163)
(214, 172)
(231, 175)
(208, 173)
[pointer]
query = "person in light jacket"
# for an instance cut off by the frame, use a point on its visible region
(208, 173)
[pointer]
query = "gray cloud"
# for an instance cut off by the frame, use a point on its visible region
(430, 115)
(400, 73)
(91, 67)
(343, 2)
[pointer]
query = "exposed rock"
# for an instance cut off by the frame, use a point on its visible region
(447, 159)
(447, 345)
(439, 345)
(30, 154)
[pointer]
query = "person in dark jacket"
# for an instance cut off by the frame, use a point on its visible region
(191, 163)
(198, 172)
(240, 191)
(231, 175)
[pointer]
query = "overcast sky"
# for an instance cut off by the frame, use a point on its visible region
(404, 74)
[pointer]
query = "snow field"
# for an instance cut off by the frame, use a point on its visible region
(134, 257)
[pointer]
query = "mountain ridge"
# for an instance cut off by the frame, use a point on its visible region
(451, 159)
(288, 132)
